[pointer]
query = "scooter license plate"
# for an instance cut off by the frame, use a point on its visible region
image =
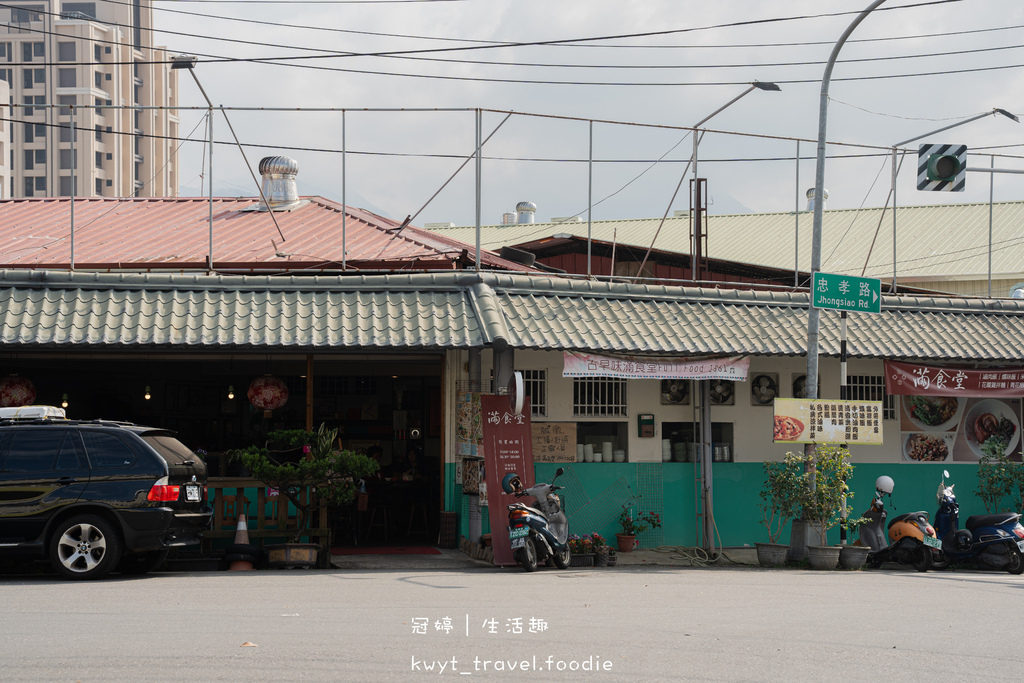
(519, 532)
(518, 543)
(932, 542)
(1020, 544)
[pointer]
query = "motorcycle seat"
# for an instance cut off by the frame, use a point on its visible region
(975, 521)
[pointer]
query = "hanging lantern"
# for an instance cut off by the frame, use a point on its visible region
(16, 392)
(268, 393)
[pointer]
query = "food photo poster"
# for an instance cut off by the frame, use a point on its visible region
(959, 428)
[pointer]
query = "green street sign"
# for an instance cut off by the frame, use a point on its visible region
(846, 293)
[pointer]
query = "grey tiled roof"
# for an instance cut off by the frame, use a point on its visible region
(466, 309)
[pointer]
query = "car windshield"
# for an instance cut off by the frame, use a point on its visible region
(170, 448)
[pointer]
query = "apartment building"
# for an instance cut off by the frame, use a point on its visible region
(82, 76)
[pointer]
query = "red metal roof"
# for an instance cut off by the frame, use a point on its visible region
(174, 233)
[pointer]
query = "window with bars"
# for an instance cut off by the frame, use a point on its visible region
(599, 397)
(871, 388)
(536, 383)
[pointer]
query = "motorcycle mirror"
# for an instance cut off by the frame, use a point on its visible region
(945, 474)
(559, 472)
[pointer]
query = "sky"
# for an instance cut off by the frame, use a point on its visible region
(909, 68)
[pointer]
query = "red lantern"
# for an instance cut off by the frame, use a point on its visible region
(16, 392)
(268, 393)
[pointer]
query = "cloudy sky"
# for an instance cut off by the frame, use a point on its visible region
(908, 69)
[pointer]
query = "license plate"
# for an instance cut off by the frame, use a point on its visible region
(932, 542)
(192, 492)
(1020, 544)
(518, 543)
(519, 532)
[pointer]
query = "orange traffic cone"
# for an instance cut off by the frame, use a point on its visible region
(242, 561)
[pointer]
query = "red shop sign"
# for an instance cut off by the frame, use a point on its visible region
(508, 447)
(909, 379)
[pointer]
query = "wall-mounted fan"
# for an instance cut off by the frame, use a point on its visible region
(800, 386)
(675, 391)
(764, 388)
(722, 392)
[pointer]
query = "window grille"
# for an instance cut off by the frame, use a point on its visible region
(536, 383)
(599, 397)
(871, 388)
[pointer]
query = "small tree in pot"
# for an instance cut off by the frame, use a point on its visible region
(780, 502)
(823, 486)
(331, 475)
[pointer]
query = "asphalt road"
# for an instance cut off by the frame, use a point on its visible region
(611, 624)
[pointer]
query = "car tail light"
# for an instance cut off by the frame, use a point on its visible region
(164, 493)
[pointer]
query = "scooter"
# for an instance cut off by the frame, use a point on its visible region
(989, 541)
(537, 533)
(911, 538)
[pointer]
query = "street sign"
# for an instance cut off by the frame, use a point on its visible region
(846, 293)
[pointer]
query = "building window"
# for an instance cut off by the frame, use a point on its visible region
(30, 132)
(67, 157)
(41, 184)
(98, 79)
(99, 159)
(109, 156)
(66, 132)
(66, 52)
(65, 185)
(99, 109)
(7, 75)
(79, 10)
(29, 186)
(66, 100)
(28, 99)
(67, 78)
(536, 383)
(23, 15)
(40, 130)
(97, 53)
(30, 158)
(599, 397)
(5, 49)
(26, 79)
(39, 49)
(99, 134)
(40, 157)
(110, 183)
(26, 52)
(99, 186)
(871, 388)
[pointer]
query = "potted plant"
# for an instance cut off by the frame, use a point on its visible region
(331, 476)
(780, 501)
(823, 485)
(601, 548)
(633, 526)
(853, 556)
(582, 548)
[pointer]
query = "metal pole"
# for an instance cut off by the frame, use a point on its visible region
(73, 165)
(813, 314)
(991, 195)
(344, 207)
(590, 199)
(894, 174)
(209, 262)
(479, 175)
(796, 222)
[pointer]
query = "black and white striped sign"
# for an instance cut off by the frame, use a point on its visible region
(925, 153)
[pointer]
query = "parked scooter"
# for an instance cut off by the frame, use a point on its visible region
(541, 532)
(989, 541)
(910, 538)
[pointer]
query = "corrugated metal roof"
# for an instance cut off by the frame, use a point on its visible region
(174, 232)
(465, 309)
(933, 242)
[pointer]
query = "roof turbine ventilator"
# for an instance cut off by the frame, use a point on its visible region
(279, 189)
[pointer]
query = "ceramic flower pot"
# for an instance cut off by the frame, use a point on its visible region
(823, 556)
(625, 542)
(771, 554)
(853, 556)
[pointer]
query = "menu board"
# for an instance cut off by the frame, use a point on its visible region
(554, 442)
(958, 428)
(827, 422)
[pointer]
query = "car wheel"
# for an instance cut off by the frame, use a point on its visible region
(143, 563)
(85, 547)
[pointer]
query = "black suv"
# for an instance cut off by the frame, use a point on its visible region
(95, 496)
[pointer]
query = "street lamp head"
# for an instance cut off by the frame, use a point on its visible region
(183, 61)
(1007, 114)
(766, 86)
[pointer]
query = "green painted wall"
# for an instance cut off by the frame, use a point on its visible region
(736, 495)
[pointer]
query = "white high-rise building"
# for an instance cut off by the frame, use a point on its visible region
(99, 57)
